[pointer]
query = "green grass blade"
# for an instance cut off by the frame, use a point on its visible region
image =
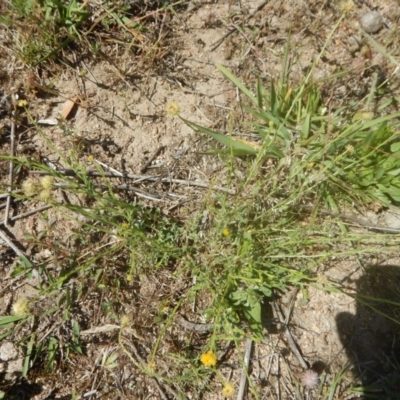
(237, 147)
(6, 320)
(305, 128)
(259, 94)
(27, 357)
(273, 99)
(267, 117)
(238, 84)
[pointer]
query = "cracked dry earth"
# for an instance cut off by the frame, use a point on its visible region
(121, 122)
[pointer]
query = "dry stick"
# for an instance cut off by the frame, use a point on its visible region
(17, 251)
(150, 178)
(245, 370)
(11, 172)
(354, 220)
(4, 195)
(269, 367)
(151, 159)
(218, 43)
(137, 191)
(111, 169)
(191, 326)
(14, 201)
(289, 337)
(28, 213)
(285, 387)
(155, 379)
(278, 381)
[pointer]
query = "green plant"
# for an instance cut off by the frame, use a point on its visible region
(223, 262)
(45, 27)
(329, 154)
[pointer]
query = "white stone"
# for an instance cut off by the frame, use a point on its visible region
(371, 22)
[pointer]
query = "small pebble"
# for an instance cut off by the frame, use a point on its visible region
(8, 351)
(353, 44)
(371, 22)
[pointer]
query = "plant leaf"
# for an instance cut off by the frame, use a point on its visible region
(238, 84)
(238, 148)
(253, 316)
(10, 318)
(27, 357)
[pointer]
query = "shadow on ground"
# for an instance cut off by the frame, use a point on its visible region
(20, 390)
(371, 338)
(23, 390)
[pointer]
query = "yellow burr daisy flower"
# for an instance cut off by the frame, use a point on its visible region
(209, 359)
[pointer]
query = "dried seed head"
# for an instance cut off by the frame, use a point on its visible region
(47, 182)
(173, 109)
(347, 6)
(125, 321)
(20, 307)
(30, 187)
(310, 379)
(228, 390)
(44, 195)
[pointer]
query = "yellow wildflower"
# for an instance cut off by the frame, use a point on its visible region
(22, 103)
(310, 165)
(226, 232)
(209, 359)
(228, 390)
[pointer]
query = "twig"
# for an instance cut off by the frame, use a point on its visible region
(269, 366)
(17, 251)
(245, 370)
(141, 178)
(218, 43)
(354, 220)
(151, 159)
(289, 336)
(278, 381)
(143, 366)
(14, 201)
(111, 169)
(191, 326)
(100, 329)
(4, 195)
(198, 61)
(11, 172)
(137, 191)
(28, 213)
